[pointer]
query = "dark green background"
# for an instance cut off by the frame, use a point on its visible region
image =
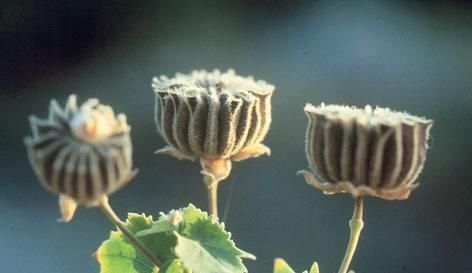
(412, 55)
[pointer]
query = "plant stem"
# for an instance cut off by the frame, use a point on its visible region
(356, 224)
(212, 190)
(106, 208)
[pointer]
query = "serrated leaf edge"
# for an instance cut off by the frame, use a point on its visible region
(214, 220)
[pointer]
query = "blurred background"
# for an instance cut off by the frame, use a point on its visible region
(407, 55)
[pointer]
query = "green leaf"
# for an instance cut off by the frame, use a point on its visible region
(204, 246)
(117, 254)
(281, 266)
(173, 266)
(314, 268)
(186, 240)
(192, 215)
(161, 244)
(157, 227)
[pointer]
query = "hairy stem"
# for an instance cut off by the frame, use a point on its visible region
(106, 208)
(212, 190)
(356, 224)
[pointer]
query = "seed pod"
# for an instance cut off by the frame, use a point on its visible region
(82, 153)
(365, 152)
(212, 116)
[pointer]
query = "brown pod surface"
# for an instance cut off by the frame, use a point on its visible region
(377, 152)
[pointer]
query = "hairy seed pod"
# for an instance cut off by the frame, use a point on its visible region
(365, 152)
(212, 116)
(82, 153)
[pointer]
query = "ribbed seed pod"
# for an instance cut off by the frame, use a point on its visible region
(212, 116)
(82, 153)
(365, 152)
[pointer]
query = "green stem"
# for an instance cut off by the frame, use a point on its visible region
(212, 191)
(106, 208)
(356, 224)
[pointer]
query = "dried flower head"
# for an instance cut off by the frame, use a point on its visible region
(364, 151)
(82, 153)
(212, 116)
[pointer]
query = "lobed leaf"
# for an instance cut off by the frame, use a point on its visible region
(197, 243)
(204, 246)
(117, 255)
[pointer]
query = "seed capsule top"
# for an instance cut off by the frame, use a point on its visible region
(367, 115)
(215, 82)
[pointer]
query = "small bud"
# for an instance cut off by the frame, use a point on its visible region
(92, 127)
(82, 153)
(175, 217)
(364, 151)
(212, 116)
